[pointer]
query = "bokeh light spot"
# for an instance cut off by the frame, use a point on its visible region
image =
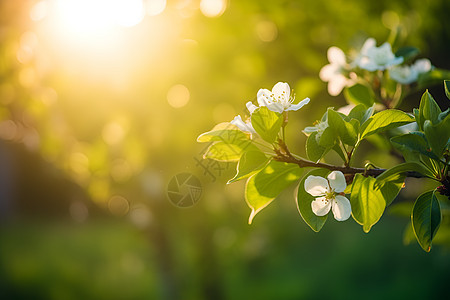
(178, 96)
(213, 8)
(267, 31)
(39, 11)
(118, 205)
(155, 7)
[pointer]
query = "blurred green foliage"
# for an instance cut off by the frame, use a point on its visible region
(98, 110)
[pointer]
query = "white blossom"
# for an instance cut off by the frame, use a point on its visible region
(327, 193)
(410, 74)
(333, 72)
(243, 126)
(319, 127)
(374, 58)
(279, 99)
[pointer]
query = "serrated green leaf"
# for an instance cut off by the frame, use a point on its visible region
(368, 204)
(426, 218)
(267, 123)
(221, 151)
(447, 88)
(407, 52)
(304, 200)
(249, 163)
(342, 128)
(263, 187)
(403, 168)
(385, 120)
(359, 93)
(223, 132)
(414, 141)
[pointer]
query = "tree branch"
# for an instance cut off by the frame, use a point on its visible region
(302, 163)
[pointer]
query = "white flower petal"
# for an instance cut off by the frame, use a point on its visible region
(328, 72)
(282, 90)
(244, 126)
(346, 109)
(336, 56)
(275, 107)
(316, 185)
(310, 129)
(337, 181)
(263, 97)
(422, 65)
(341, 208)
(369, 43)
(251, 107)
(321, 206)
(299, 105)
(395, 61)
(336, 85)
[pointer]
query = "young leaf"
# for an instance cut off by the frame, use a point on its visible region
(328, 138)
(304, 203)
(249, 163)
(359, 93)
(367, 203)
(385, 120)
(263, 187)
(360, 113)
(428, 109)
(223, 132)
(267, 123)
(426, 218)
(222, 151)
(343, 129)
(438, 135)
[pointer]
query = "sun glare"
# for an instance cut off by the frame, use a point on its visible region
(97, 16)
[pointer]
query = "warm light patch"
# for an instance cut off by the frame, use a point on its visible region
(213, 8)
(97, 16)
(155, 7)
(178, 96)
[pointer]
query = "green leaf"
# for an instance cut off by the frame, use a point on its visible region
(359, 93)
(222, 151)
(313, 150)
(447, 88)
(390, 189)
(407, 52)
(360, 113)
(385, 120)
(368, 204)
(328, 138)
(414, 141)
(391, 173)
(223, 132)
(304, 203)
(267, 123)
(263, 187)
(426, 218)
(343, 129)
(249, 163)
(428, 109)
(438, 135)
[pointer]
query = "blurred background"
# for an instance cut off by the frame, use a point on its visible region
(101, 103)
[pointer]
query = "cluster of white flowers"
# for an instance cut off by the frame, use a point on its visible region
(339, 73)
(278, 100)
